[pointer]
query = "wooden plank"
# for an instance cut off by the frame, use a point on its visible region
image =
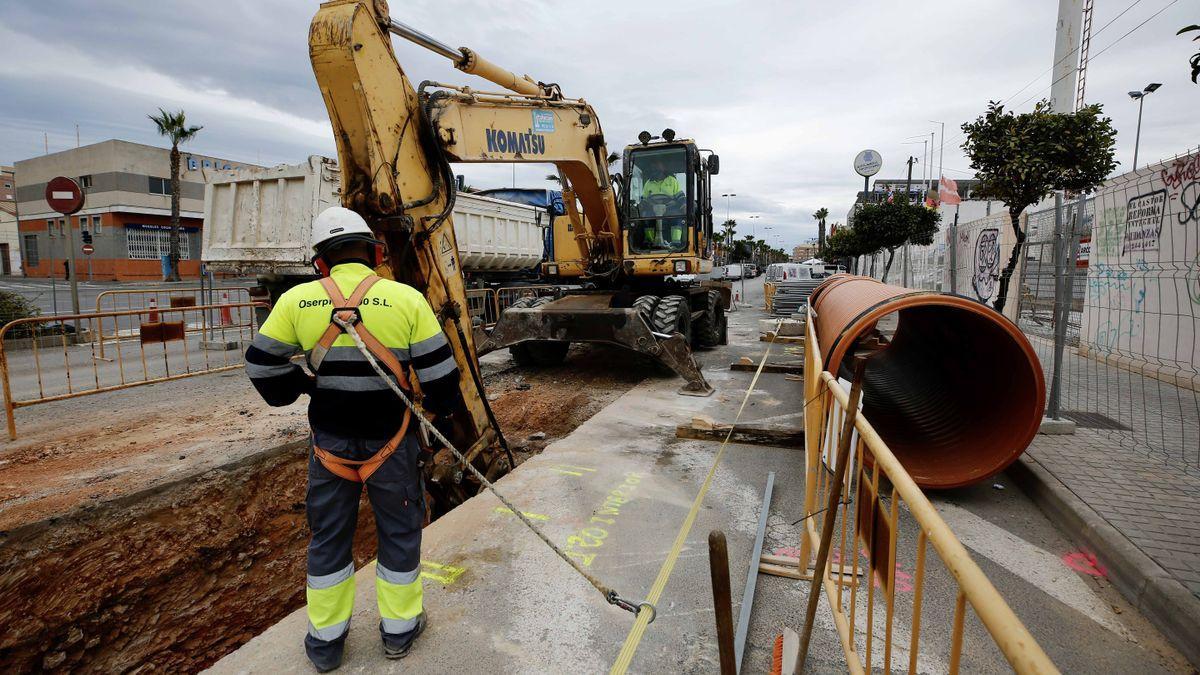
(787, 438)
(791, 368)
(783, 339)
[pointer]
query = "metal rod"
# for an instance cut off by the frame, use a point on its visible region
(1060, 326)
(718, 563)
(423, 39)
(739, 640)
(838, 481)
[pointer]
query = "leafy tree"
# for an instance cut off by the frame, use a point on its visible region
(820, 216)
(1195, 60)
(843, 244)
(1021, 158)
(890, 225)
(175, 127)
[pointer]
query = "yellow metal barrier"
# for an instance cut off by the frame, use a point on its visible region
(864, 541)
(49, 369)
(161, 297)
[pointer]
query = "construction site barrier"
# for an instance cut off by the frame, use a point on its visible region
(956, 389)
(161, 350)
(868, 522)
(482, 306)
(160, 297)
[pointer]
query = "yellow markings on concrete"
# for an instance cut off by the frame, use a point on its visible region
(443, 574)
(531, 516)
(581, 545)
(570, 469)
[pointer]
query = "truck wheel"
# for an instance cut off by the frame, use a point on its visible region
(708, 331)
(673, 315)
(538, 353)
(645, 305)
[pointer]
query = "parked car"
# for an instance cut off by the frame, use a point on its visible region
(751, 270)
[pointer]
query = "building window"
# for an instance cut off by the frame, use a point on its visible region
(154, 244)
(62, 227)
(50, 228)
(85, 182)
(29, 253)
(96, 224)
(160, 186)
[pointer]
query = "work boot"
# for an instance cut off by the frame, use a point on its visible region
(325, 656)
(398, 646)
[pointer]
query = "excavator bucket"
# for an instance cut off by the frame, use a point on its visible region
(591, 318)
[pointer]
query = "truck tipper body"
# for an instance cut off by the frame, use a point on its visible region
(258, 222)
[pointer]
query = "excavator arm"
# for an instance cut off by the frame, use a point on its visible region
(395, 143)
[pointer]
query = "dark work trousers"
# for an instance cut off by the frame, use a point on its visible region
(397, 499)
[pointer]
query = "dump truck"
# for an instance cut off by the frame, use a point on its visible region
(257, 222)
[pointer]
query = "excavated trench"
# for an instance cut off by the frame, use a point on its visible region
(174, 577)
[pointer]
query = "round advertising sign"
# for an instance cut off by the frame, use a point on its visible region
(867, 163)
(63, 195)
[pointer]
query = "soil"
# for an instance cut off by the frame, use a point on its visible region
(143, 539)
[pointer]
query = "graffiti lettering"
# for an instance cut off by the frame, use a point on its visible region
(987, 263)
(1191, 211)
(1181, 171)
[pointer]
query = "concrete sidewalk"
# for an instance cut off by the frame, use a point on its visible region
(1137, 516)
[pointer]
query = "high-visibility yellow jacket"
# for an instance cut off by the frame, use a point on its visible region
(667, 185)
(348, 397)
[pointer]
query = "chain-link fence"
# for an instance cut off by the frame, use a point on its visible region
(1108, 291)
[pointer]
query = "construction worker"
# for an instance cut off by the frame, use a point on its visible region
(661, 182)
(361, 431)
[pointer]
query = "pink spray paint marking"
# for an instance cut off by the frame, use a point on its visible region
(1084, 563)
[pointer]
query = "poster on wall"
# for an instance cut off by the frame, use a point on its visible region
(1143, 221)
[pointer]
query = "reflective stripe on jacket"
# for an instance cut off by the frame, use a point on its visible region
(348, 397)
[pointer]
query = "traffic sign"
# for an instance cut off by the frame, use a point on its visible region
(88, 249)
(63, 195)
(867, 163)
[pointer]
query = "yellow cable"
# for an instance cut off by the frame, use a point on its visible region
(634, 638)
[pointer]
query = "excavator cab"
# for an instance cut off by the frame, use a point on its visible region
(665, 204)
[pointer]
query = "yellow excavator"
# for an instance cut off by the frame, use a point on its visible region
(629, 248)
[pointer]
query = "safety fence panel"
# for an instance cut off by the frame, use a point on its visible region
(505, 297)
(482, 306)
(166, 297)
(52, 358)
(882, 511)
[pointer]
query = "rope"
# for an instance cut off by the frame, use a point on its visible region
(634, 638)
(609, 594)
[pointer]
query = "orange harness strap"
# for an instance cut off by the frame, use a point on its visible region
(346, 310)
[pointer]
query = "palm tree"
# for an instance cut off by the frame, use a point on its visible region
(174, 126)
(820, 216)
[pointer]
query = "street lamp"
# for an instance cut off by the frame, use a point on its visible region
(1140, 97)
(727, 196)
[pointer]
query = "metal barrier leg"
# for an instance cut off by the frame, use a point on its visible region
(835, 495)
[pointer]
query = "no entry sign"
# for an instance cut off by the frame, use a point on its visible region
(88, 249)
(63, 195)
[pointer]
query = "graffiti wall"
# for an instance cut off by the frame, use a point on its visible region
(1142, 300)
(982, 250)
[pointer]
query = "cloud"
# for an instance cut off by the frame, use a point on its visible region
(786, 92)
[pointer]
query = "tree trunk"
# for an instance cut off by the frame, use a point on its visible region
(1006, 275)
(888, 267)
(173, 246)
(821, 236)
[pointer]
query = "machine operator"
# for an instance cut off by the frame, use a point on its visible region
(662, 195)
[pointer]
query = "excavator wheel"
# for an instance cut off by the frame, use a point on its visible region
(673, 315)
(709, 330)
(538, 353)
(645, 305)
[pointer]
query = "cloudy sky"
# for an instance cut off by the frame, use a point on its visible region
(786, 92)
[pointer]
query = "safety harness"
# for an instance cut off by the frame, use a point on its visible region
(345, 313)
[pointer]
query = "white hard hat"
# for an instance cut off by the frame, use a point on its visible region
(338, 223)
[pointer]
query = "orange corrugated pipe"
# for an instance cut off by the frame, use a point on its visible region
(956, 389)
